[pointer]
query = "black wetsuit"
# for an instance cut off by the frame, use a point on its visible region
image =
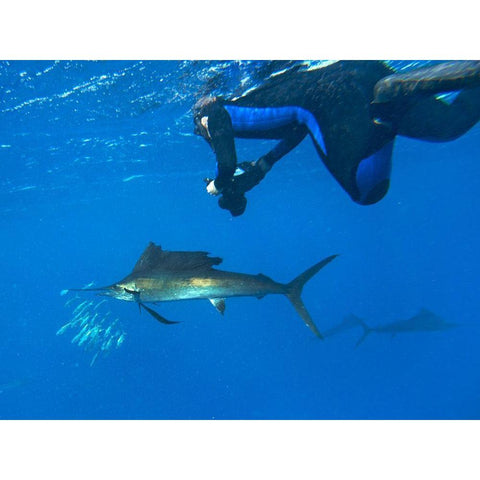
(352, 110)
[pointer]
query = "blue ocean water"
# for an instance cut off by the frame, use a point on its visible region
(98, 159)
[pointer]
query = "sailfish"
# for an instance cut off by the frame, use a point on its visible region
(423, 321)
(161, 275)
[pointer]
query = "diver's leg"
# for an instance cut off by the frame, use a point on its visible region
(445, 77)
(437, 121)
(407, 101)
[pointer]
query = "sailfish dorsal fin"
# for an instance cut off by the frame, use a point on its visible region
(154, 258)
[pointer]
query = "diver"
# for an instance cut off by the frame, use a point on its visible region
(352, 110)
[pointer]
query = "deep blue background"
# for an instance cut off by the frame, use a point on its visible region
(71, 133)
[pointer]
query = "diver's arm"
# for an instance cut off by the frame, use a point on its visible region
(285, 146)
(222, 139)
(250, 174)
(254, 172)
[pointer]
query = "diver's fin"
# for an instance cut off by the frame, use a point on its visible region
(156, 315)
(219, 304)
(294, 290)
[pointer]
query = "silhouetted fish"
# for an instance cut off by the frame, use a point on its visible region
(423, 321)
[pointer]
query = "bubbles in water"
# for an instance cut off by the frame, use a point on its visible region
(93, 327)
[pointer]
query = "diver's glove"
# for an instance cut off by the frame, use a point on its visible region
(249, 174)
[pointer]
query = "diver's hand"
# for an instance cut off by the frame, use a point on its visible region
(252, 174)
(211, 189)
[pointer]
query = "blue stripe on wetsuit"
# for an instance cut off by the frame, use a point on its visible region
(373, 170)
(248, 119)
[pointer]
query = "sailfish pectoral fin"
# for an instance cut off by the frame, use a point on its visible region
(219, 304)
(156, 315)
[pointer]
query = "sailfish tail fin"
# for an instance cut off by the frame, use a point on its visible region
(294, 291)
(354, 320)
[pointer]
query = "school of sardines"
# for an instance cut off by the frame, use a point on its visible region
(96, 330)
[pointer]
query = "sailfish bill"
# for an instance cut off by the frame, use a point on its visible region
(162, 275)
